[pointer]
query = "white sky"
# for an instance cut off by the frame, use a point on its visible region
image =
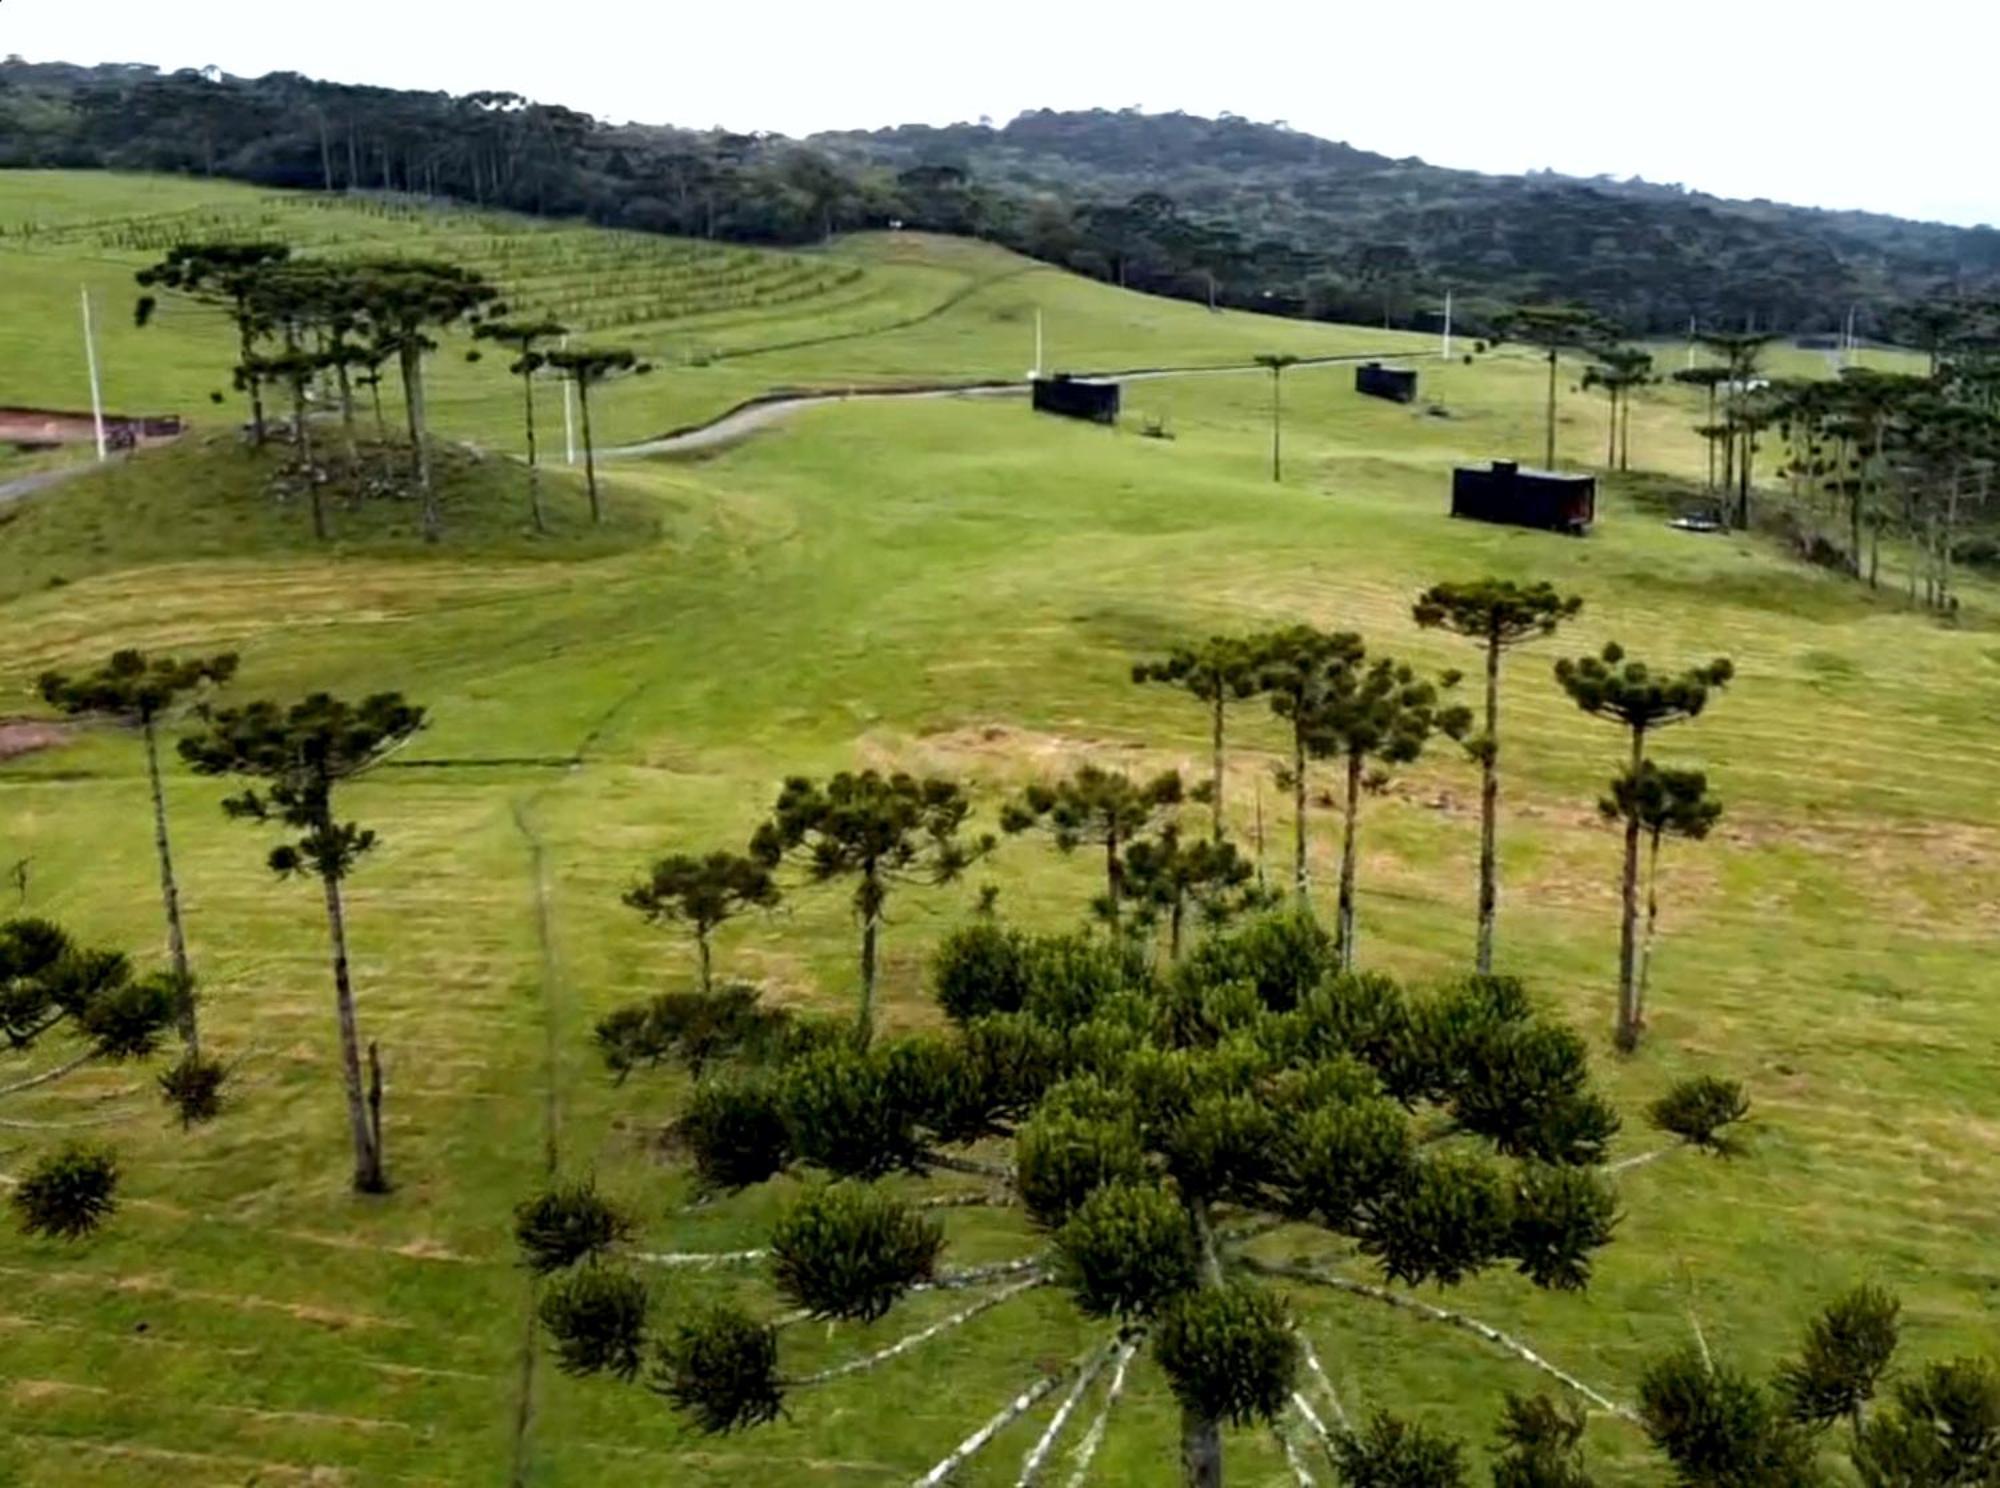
(1843, 103)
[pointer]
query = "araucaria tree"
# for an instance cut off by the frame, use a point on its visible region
(524, 338)
(135, 691)
(1275, 363)
(1625, 692)
(224, 275)
(704, 894)
(880, 830)
(1667, 803)
(1155, 1127)
(403, 301)
(1220, 670)
(1167, 877)
(1498, 615)
(1097, 807)
(588, 367)
(1292, 668)
(300, 755)
(1555, 329)
(1380, 713)
(52, 989)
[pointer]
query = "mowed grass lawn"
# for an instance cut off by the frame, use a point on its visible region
(962, 586)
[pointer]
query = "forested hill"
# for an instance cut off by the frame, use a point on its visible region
(1396, 231)
(1252, 215)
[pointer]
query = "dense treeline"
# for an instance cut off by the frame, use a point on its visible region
(1225, 211)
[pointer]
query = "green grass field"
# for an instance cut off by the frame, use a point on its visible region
(953, 585)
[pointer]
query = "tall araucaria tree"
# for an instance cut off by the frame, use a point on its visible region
(301, 755)
(524, 338)
(136, 692)
(1275, 362)
(1626, 692)
(704, 894)
(1292, 668)
(1377, 713)
(1220, 670)
(1133, 1117)
(1619, 371)
(1668, 803)
(588, 367)
(1555, 329)
(1099, 808)
(403, 301)
(1498, 615)
(880, 830)
(224, 275)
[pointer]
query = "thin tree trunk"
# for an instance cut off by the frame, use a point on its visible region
(707, 967)
(1300, 881)
(1627, 1035)
(1201, 1451)
(1114, 877)
(589, 451)
(368, 1174)
(1611, 433)
(1345, 931)
(1277, 423)
(1709, 440)
(253, 382)
(411, 358)
(871, 920)
(170, 894)
(347, 408)
(1549, 459)
(1625, 432)
(1174, 926)
(534, 466)
(1652, 925)
(1489, 810)
(1215, 805)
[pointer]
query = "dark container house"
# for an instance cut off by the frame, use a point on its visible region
(1397, 384)
(1090, 398)
(1506, 492)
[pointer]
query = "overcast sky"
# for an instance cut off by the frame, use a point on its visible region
(1836, 103)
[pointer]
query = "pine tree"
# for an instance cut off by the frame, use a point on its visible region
(136, 692)
(1292, 669)
(1499, 615)
(879, 830)
(523, 337)
(704, 894)
(1625, 692)
(1096, 807)
(587, 368)
(1667, 803)
(1220, 670)
(302, 754)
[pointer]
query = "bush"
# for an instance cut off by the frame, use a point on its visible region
(567, 1223)
(68, 1194)
(851, 1111)
(735, 1130)
(597, 1316)
(722, 1370)
(980, 969)
(1542, 1445)
(1127, 1249)
(1283, 955)
(1943, 1427)
(1071, 976)
(193, 1088)
(1561, 1214)
(1229, 1353)
(1717, 1427)
(1393, 1453)
(1700, 1110)
(848, 1250)
(1847, 1351)
(691, 1027)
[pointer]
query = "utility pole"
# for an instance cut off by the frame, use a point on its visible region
(1445, 353)
(96, 388)
(569, 414)
(1038, 341)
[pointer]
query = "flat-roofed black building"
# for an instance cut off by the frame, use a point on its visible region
(1397, 384)
(1092, 398)
(1507, 492)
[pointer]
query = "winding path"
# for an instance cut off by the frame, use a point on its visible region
(747, 418)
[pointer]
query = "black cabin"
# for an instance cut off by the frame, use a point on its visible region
(1077, 397)
(1504, 492)
(1397, 384)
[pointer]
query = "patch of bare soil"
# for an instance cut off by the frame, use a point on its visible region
(19, 736)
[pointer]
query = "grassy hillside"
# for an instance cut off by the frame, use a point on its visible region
(721, 323)
(957, 585)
